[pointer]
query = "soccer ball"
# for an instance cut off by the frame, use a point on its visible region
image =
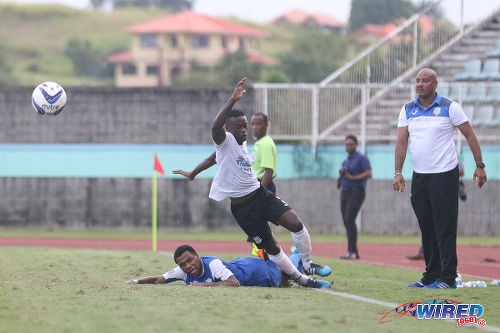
(49, 98)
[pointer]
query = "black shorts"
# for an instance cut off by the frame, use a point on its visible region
(253, 216)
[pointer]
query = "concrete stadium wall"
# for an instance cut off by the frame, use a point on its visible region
(112, 115)
(86, 203)
(177, 116)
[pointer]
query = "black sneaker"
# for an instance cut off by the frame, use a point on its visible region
(318, 270)
(319, 284)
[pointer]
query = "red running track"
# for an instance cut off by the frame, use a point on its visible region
(482, 262)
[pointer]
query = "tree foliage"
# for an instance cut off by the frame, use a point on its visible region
(5, 70)
(275, 76)
(378, 11)
(313, 56)
(86, 59)
(233, 66)
(437, 12)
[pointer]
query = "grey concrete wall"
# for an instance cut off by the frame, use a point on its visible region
(112, 115)
(79, 203)
(384, 211)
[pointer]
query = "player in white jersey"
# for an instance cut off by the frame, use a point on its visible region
(429, 123)
(251, 204)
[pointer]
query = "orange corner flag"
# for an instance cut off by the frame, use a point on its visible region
(158, 168)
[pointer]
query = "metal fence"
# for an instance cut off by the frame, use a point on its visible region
(365, 96)
(317, 114)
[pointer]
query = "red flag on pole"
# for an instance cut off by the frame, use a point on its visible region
(158, 168)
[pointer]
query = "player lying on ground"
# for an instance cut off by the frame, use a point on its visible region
(213, 271)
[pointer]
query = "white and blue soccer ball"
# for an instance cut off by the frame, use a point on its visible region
(49, 98)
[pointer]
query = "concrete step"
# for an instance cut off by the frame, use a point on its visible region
(392, 103)
(455, 57)
(474, 51)
(493, 26)
(487, 34)
(378, 114)
(454, 66)
(377, 123)
(478, 40)
(370, 127)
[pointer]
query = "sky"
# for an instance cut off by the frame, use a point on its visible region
(264, 10)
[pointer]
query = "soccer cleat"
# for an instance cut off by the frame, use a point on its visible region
(441, 285)
(318, 270)
(418, 284)
(319, 284)
(313, 269)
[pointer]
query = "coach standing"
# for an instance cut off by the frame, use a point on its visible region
(429, 123)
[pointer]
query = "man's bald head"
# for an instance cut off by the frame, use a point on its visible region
(428, 72)
(426, 84)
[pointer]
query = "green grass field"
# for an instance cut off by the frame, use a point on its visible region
(75, 290)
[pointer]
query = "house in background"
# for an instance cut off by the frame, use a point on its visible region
(371, 33)
(320, 21)
(165, 48)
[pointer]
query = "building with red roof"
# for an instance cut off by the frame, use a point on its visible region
(370, 33)
(166, 47)
(322, 21)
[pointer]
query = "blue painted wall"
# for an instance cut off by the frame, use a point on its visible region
(136, 160)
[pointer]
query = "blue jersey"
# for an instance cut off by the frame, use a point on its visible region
(249, 272)
(432, 133)
(355, 165)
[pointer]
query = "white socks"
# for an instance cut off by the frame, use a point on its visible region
(302, 242)
(285, 265)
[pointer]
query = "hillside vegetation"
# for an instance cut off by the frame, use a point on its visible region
(34, 38)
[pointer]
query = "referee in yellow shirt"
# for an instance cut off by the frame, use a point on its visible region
(264, 166)
(264, 152)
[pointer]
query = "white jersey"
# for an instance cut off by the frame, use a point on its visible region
(431, 133)
(235, 177)
(213, 270)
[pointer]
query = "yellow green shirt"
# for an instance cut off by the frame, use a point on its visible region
(264, 151)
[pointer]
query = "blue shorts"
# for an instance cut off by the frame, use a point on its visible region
(257, 272)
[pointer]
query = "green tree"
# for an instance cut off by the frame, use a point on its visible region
(233, 66)
(86, 59)
(378, 11)
(5, 71)
(314, 55)
(437, 12)
(275, 76)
